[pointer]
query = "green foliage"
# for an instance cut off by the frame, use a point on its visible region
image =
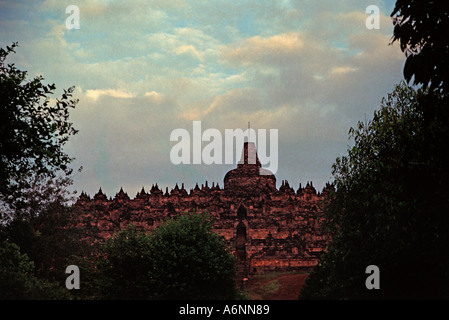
(17, 280)
(181, 259)
(389, 207)
(125, 268)
(33, 132)
(191, 261)
(49, 242)
(15, 271)
(421, 27)
(34, 174)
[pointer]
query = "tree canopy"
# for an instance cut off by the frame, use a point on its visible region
(389, 207)
(390, 204)
(181, 259)
(421, 28)
(33, 131)
(35, 230)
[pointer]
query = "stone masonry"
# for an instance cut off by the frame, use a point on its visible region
(266, 228)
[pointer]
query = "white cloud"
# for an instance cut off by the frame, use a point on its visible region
(309, 68)
(155, 97)
(190, 50)
(267, 50)
(344, 69)
(116, 93)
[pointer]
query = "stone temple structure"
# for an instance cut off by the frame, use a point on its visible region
(266, 228)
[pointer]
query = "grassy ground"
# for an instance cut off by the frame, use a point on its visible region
(275, 286)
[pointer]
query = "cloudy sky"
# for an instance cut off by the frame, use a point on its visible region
(309, 68)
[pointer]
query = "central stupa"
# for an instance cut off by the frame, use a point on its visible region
(249, 177)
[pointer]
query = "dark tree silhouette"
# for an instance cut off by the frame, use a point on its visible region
(33, 131)
(390, 207)
(422, 29)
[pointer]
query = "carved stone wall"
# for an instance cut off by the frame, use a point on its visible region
(268, 229)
